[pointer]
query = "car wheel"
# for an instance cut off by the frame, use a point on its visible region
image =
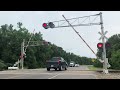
(65, 67)
(55, 69)
(48, 69)
(60, 68)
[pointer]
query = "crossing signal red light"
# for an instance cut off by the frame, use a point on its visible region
(107, 45)
(100, 45)
(48, 25)
(45, 25)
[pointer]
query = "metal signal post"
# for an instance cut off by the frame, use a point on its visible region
(104, 49)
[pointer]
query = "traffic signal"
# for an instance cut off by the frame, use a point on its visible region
(48, 25)
(45, 25)
(100, 45)
(46, 43)
(107, 45)
(51, 25)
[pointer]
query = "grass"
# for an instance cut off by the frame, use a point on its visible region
(93, 68)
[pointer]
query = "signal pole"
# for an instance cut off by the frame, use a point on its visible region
(104, 49)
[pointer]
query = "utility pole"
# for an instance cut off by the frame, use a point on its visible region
(104, 49)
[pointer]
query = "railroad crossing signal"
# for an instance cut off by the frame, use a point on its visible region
(45, 43)
(107, 45)
(100, 45)
(103, 35)
(48, 25)
(45, 25)
(51, 25)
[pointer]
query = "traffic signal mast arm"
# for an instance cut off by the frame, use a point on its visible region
(61, 23)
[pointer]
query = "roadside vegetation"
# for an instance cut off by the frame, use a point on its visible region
(10, 49)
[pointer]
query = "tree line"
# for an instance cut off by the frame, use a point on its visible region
(10, 49)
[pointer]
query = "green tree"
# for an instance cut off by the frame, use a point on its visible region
(10, 48)
(112, 52)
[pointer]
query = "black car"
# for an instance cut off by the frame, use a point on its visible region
(57, 63)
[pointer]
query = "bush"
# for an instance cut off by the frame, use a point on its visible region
(115, 60)
(97, 64)
(2, 65)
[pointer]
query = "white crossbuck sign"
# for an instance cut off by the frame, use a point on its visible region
(103, 35)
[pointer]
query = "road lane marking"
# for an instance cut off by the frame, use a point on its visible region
(75, 74)
(54, 76)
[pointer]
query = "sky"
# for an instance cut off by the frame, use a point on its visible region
(66, 37)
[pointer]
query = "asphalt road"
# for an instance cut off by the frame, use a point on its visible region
(80, 72)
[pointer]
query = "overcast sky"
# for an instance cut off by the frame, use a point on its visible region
(65, 37)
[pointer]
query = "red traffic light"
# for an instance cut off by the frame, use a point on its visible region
(45, 25)
(100, 45)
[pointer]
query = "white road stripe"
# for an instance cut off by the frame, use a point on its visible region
(54, 76)
(19, 75)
